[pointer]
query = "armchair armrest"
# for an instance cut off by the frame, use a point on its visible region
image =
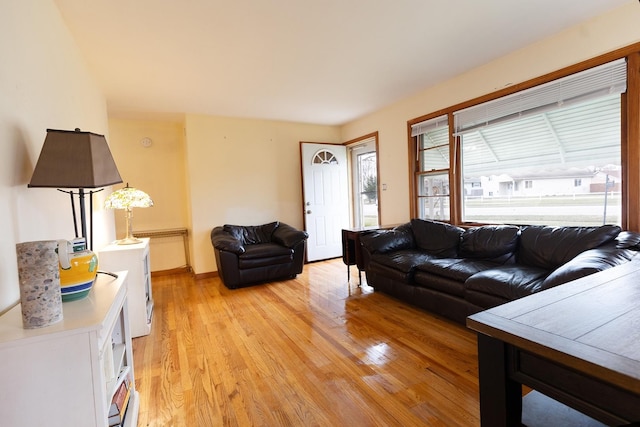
(225, 241)
(288, 236)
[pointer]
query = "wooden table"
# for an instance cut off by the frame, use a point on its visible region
(578, 343)
(351, 249)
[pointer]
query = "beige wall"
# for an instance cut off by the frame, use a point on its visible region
(44, 83)
(244, 172)
(608, 32)
(158, 170)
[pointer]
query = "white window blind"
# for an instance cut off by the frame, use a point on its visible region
(606, 79)
(428, 125)
(368, 143)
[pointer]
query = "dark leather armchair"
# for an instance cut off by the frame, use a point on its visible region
(247, 255)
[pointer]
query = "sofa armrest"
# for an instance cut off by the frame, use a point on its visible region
(628, 240)
(383, 241)
(288, 236)
(225, 241)
(588, 262)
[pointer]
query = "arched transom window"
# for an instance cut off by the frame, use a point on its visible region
(324, 157)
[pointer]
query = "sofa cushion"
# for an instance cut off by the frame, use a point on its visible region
(455, 268)
(438, 283)
(383, 241)
(549, 247)
(437, 238)
(489, 241)
(508, 281)
(405, 260)
(252, 234)
(388, 275)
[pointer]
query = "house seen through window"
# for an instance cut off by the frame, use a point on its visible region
(560, 167)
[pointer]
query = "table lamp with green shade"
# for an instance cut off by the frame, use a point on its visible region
(128, 198)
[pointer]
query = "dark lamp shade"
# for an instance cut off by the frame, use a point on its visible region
(75, 159)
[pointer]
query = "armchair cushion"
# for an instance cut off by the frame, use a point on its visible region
(252, 234)
(225, 241)
(288, 236)
(265, 254)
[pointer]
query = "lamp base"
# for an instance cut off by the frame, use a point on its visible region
(129, 240)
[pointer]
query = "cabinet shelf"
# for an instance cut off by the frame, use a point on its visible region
(119, 362)
(134, 408)
(149, 311)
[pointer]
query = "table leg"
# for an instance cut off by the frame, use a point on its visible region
(500, 397)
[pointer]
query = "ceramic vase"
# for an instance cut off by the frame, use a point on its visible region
(79, 272)
(39, 279)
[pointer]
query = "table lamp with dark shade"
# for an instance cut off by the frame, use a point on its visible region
(76, 159)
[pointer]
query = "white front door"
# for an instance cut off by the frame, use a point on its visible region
(326, 198)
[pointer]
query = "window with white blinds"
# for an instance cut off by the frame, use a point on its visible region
(523, 154)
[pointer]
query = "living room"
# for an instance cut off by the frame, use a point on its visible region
(193, 157)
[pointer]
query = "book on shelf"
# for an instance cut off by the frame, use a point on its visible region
(121, 397)
(118, 417)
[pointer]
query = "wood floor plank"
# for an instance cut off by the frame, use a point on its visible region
(313, 351)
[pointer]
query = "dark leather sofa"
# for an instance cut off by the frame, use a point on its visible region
(248, 255)
(456, 272)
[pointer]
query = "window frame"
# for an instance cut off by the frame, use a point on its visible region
(424, 171)
(629, 144)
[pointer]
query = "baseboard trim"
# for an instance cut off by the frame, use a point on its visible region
(181, 270)
(207, 275)
(171, 271)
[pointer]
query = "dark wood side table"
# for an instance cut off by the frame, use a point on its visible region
(352, 250)
(578, 343)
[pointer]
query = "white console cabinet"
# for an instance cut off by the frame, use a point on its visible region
(135, 259)
(65, 374)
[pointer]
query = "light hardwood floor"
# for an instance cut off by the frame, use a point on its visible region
(314, 351)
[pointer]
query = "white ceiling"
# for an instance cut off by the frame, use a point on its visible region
(322, 61)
